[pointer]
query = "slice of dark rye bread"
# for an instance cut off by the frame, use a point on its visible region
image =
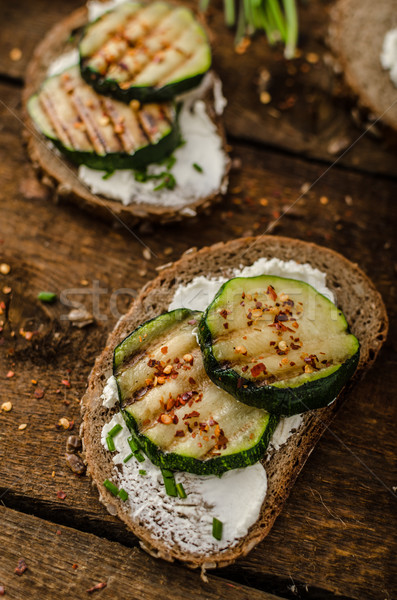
(365, 312)
(61, 174)
(356, 34)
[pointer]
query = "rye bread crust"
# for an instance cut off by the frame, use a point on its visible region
(356, 33)
(365, 313)
(61, 174)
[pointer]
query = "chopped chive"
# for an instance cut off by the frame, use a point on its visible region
(108, 174)
(139, 457)
(142, 472)
(122, 494)
(115, 430)
(169, 483)
(110, 443)
(217, 527)
(197, 167)
(113, 489)
(181, 490)
(127, 458)
(47, 297)
(133, 444)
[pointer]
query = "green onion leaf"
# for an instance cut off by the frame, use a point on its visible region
(110, 443)
(115, 430)
(47, 297)
(113, 489)
(169, 482)
(108, 174)
(197, 167)
(230, 14)
(181, 490)
(142, 472)
(217, 527)
(122, 494)
(139, 457)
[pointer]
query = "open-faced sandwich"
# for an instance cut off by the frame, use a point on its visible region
(215, 386)
(363, 36)
(123, 112)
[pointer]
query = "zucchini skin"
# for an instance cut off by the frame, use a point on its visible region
(141, 158)
(144, 94)
(212, 466)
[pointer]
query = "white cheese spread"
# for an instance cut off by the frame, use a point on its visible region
(235, 499)
(388, 57)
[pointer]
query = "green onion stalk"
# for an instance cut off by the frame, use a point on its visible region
(278, 19)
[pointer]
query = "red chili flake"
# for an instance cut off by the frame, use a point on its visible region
(2, 590)
(240, 382)
(194, 413)
(65, 382)
(61, 495)
(180, 433)
(244, 368)
(98, 586)
(39, 393)
(272, 343)
(164, 349)
(223, 313)
(192, 381)
(226, 325)
(258, 369)
(295, 346)
(10, 374)
(292, 364)
(58, 532)
(175, 420)
(21, 568)
(176, 360)
(249, 323)
(271, 292)
(75, 566)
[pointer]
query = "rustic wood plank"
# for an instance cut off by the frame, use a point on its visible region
(309, 113)
(74, 562)
(56, 247)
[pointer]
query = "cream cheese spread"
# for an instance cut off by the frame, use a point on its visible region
(388, 57)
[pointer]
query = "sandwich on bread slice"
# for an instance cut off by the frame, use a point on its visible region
(363, 38)
(230, 495)
(124, 115)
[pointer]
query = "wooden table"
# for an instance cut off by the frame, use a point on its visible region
(336, 535)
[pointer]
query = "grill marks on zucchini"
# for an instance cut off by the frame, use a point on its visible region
(99, 131)
(277, 343)
(182, 420)
(145, 52)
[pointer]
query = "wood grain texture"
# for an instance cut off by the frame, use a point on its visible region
(335, 532)
(310, 113)
(80, 561)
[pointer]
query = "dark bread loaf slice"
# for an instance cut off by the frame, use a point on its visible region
(355, 295)
(356, 36)
(62, 174)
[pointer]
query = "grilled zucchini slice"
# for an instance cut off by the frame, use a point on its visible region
(101, 132)
(149, 52)
(181, 420)
(277, 344)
